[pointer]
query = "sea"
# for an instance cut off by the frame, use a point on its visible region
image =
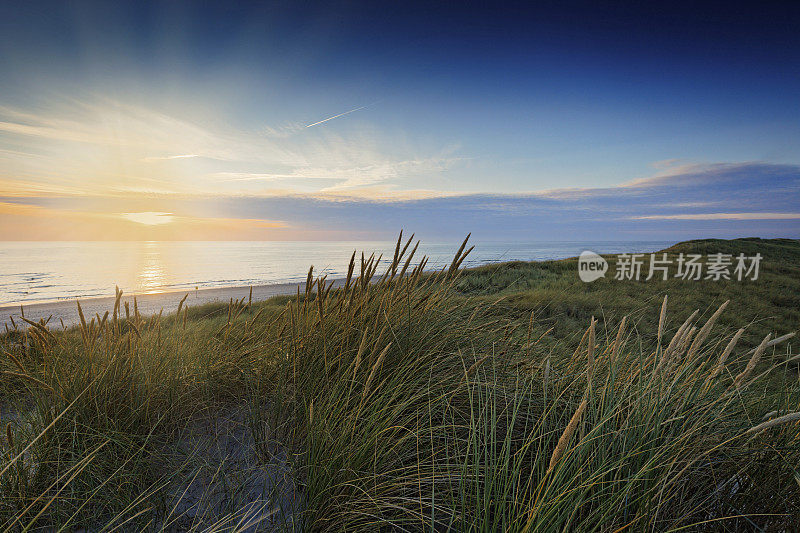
(49, 271)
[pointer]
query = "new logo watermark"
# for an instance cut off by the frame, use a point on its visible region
(712, 267)
(591, 266)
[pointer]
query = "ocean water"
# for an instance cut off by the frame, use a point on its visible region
(46, 271)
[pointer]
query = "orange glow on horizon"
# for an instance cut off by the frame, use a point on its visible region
(24, 222)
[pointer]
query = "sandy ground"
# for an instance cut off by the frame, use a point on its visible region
(149, 304)
(220, 476)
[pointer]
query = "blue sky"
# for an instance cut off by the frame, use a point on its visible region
(549, 121)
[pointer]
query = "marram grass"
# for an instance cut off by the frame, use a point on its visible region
(396, 403)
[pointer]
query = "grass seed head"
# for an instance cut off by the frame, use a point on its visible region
(563, 441)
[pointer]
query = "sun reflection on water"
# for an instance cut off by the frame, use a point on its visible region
(151, 272)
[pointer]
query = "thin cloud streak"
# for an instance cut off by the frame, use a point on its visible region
(244, 176)
(722, 216)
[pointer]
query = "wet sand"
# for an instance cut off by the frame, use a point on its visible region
(149, 304)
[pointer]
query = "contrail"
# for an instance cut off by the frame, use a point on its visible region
(339, 115)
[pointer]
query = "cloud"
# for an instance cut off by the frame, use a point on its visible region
(150, 218)
(348, 178)
(730, 200)
(722, 216)
(255, 176)
(106, 146)
(713, 200)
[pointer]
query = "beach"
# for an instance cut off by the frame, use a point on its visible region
(66, 311)
(35, 272)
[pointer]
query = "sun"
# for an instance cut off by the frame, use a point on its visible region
(149, 218)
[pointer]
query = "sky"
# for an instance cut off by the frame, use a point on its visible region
(351, 120)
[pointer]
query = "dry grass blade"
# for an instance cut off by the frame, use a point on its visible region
(16, 362)
(360, 352)
(117, 302)
(662, 319)
(102, 321)
(725, 354)
(183, 300)
(580, 344)
(770, 415)
(563, 441)
(785, 419)
(459, 257)
(405, 248)
(687, 339)
(310, 280)
(705, 331)
(618, 340)
(350, 268)
(677, 340)
(392, 270)
(30, 378)
(474, 367)
(80, 314)
(751, 365)
(409, 258)
(374, 371)
(590, 346)
(773, 342)
(546, 377)
(37, 325)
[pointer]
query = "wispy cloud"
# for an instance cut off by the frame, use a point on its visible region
(256, 176)
(150, 218)
(764, 204)
(722, 216)
(105, 146)
(346, 179)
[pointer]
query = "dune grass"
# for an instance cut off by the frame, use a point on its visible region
(409, 400)
(555, 293)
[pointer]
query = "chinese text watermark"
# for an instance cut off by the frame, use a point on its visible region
(662, 266)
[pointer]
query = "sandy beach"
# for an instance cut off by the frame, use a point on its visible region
(66, 311)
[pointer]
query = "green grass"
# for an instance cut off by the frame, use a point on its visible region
(554, 292)
(477, 400)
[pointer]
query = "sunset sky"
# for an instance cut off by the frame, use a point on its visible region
(352, 120)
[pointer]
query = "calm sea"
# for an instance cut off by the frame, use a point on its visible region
(42, 271)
